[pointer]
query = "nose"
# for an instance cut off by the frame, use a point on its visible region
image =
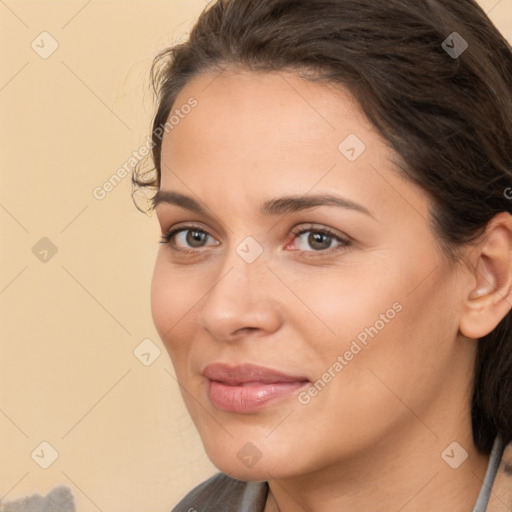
(242, 302)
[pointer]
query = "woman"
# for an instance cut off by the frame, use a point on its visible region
(334, 282)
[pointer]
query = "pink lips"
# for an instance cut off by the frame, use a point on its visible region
(248, 387)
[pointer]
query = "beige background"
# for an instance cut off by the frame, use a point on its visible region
(69, 326)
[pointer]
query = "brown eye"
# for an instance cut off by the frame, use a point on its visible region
(319, 241)
(182, 239)
(195, 238)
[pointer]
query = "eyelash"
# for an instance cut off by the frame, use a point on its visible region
(343, 242)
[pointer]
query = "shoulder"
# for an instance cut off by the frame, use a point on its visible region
(221, 492)
(501, 495)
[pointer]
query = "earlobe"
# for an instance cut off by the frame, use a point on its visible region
(490, 280)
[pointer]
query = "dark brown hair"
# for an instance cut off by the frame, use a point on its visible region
(448, 116)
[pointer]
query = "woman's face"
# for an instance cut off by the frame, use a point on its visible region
(349, 297)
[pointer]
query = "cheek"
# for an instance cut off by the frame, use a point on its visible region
(386, 317)
(338, 305)
(396, 347)
(173, 297)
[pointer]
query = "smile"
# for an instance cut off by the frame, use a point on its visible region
(247, 388)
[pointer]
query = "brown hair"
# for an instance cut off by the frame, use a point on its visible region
(448, 116)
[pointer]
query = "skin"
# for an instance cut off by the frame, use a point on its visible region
(372, 439)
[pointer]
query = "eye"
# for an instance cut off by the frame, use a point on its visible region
(187, 237)
(321, 240)
(310, 239)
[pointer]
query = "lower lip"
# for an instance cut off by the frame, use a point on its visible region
(249, 397)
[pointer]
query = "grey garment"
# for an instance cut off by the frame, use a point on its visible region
(221, 493)
(492, 468)
(59, 499)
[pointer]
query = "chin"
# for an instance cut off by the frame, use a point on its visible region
(252, 461)
(261, 471)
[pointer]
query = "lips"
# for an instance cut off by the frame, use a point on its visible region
(248, 387)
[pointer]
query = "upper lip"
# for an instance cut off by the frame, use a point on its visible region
(243, 373)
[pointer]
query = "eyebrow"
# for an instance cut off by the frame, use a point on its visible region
(278, 206)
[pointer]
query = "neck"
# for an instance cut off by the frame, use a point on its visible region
(399, 473)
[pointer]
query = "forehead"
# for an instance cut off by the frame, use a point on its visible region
(264, 132)
(271, 101)
(265, 117)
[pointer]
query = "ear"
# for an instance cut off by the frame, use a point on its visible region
(487, 297)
